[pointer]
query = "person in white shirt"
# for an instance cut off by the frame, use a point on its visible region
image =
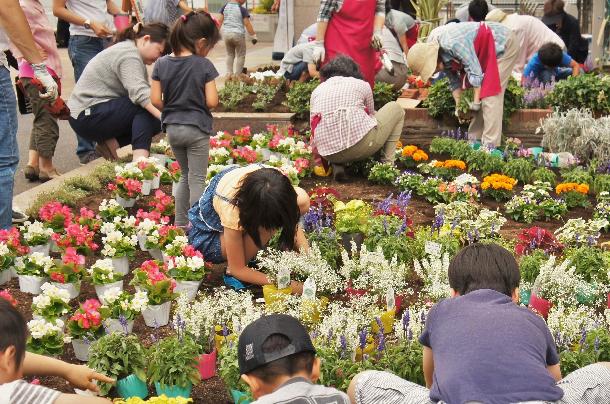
(91, 29)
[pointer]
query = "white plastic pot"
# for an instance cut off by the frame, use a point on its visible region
(101, 289)
(72, 288)
(156, 254)
(121, 265)
(31, 284)
(14, 273)
(126, 203)
(81, 349)
(45, 249)
(157, 315)
(266, 154)
(146, 187)
(142, 242)
(5, 276)
(114, 325)
(174, 188)
(189, 288)
(156, 181)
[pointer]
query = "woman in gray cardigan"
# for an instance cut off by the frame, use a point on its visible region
(110, 103)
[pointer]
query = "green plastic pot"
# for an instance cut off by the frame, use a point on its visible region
(524, 296)
(131, 386)
(583, 297)
(239, 397)
(174, 391)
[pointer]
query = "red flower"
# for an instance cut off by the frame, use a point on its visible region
(57, 277)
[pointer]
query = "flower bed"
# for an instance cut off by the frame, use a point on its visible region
(379, 261)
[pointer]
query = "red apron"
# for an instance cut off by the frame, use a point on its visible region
(349, 33)
(412, 35)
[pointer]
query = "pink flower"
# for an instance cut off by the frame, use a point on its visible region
(190, 251)
(91, 305)
(6, 295)
(72, 257)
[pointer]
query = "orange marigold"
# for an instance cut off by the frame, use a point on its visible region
(571, 186)
(420, 155)
(408, 151)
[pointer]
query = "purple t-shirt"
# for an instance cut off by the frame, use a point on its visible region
(488, 349)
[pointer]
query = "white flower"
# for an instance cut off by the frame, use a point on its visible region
(107, 227)
(146, 226)
(139, 301)
(53, 292)
(101, 266)
(4, 250)
(40, 327)
(434, 272)
(111, 295)
(36, 229)
(464, 179)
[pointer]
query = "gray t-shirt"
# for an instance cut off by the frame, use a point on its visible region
(296, 54)
(392, 47)
(398, 21)
(487, 348)
(165, 11)
(234, 15)
(302, 391)
(115, 72)
(182, 81)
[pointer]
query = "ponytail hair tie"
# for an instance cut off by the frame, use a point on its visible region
(183, 17)
(137, 27)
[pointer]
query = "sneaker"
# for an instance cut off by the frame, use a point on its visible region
(88, 158)
(19, 217)
(31, 173)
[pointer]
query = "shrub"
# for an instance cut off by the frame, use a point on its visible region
(232, 93)
(583, 91)
(383, 93)
(529, 265)
(90, 184)
(590, 262)
(520, 168)
(298, 97)
(440, 101)
(601, 183)
(383, 173)
(578, 175)
(544, 174)
(173, 361)
(118, 355)
(105, 172)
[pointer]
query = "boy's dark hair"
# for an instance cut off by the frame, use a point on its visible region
(286, 366)
(341, 65)
(550, 54)
(267, 199)
(191, 27)
(158, 32)
(484, 266)
(478, 9)
(13, 331)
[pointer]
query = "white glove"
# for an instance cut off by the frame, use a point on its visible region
(376, 42)
(319, 53)
(49, 84)
(387, 63)
(474, 106)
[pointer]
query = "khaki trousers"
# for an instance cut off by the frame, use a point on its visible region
(486, 124)
(390, 121)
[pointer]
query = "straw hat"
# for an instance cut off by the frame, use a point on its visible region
(496, 15)
(422, 59)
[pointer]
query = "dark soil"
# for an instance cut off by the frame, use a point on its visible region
(213, 391)
(245, 105)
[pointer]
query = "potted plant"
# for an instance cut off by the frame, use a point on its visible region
(127, 186)
(120, 308)
(67, 273)
(85, 326)
(498, 187)
(174, 173)
(46, 337)
(32, 271)
(103, 277)
(56, 216)
(188, 271)
(574, 194)
(167, 235)
(228, 370)
(110, 209)
(37, 236)
(147, 228)
(172, 365)
(351, 221)
(174, 247)
(51, 304)
(123, 358)
(78, 237)
(158, 150)
(411, 156)
(149, 172)
(153, 279)
(7, 259)
(119, 247)
(554, 285)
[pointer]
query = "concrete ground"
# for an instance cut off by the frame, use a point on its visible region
(65, 157)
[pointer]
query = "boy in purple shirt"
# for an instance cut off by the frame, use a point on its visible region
(480, 346)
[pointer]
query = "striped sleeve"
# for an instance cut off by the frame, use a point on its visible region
(27, 393)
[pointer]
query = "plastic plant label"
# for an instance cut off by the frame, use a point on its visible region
(309, 290)
(390, 299)
(283, 278)
(432, 248)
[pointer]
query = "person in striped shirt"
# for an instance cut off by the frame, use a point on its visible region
(15, 363)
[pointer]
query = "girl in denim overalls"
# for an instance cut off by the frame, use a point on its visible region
(237, 215)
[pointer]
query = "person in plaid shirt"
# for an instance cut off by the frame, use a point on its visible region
(479, 55)
(344, 124)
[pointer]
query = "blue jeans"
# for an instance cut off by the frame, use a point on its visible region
(81, 50)
(9, 153)
(297, 70)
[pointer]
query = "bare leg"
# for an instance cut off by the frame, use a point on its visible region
(33, 158)
(46, 164)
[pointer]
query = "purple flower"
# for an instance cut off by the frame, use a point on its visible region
(406, 318)
(343, 342)
(583, 339)
(362, 339)
(124, 323)
(381, 344)
(379, 324)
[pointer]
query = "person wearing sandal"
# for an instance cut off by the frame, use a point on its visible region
(110, 103)
(344, 124)
(45, 130)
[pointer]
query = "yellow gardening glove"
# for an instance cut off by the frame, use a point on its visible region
(319, 171)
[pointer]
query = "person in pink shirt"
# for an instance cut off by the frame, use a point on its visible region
(530, 32)
(45, 130)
